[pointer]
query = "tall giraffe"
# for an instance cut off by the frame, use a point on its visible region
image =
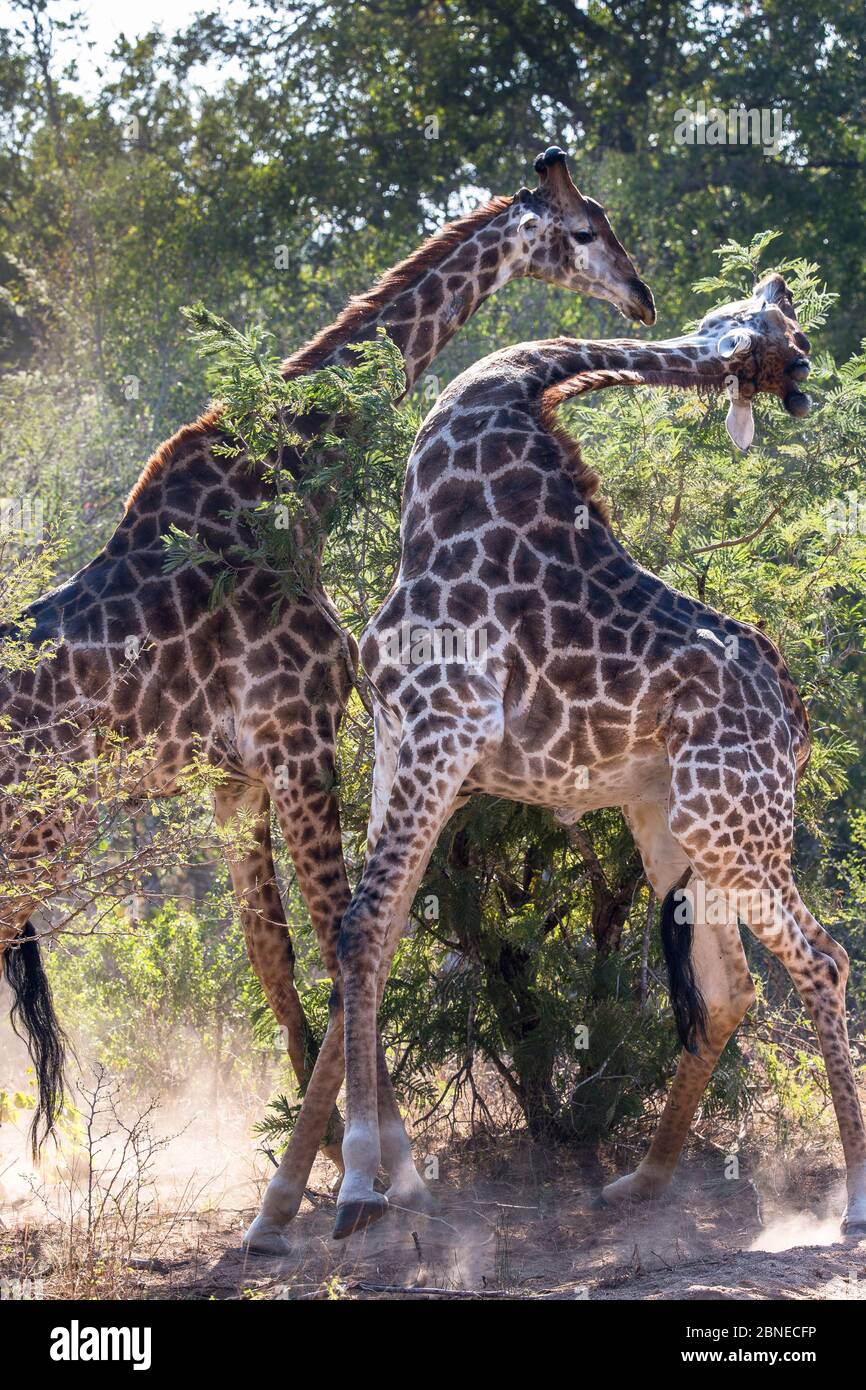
(263, 702)
(599, 686)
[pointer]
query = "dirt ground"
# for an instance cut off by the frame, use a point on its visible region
(510, 1222)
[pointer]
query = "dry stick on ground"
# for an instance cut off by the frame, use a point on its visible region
(525, 1296)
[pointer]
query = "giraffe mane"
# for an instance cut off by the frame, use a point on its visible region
(363, 307)
(680, 379)
(208, 423)
(359, 309)
(585, 477)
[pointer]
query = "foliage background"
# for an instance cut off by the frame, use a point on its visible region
(272, 159)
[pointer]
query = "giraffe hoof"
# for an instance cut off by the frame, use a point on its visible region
(264, 1238)
(355, 1216)
(633, 1187)
(854, 1220)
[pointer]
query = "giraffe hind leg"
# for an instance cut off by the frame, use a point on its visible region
(717, 974)
(737, 831)
(269, 944)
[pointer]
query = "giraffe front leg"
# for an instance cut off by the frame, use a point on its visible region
(371, 929)
(406, 1187)
(286, 1188)
(419, 805)
(309, 819)
(374, 1131)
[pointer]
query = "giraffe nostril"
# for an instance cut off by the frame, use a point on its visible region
(799, 369)
(802, 342)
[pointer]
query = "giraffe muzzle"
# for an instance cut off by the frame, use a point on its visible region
(799, 370)
(636, 302)
(798, 404)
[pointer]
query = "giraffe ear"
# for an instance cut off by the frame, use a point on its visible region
(735, 344)
(528, 225)
(740, 423)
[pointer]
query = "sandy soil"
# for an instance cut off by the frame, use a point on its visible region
(511, 1222)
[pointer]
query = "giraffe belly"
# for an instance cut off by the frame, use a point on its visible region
(638, 775)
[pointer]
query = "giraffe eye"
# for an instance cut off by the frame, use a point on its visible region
(584, 237)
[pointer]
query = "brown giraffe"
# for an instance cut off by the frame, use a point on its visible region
(264, 701)
(598, 685)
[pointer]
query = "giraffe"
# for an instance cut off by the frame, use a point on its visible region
(599, 686)
(262, 702)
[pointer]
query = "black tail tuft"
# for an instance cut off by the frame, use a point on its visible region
(686, 999)
(35, 1022)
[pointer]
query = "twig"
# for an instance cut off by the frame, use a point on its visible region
(432, 1291)
(425, 1216)
(742, 540)
(645, 945)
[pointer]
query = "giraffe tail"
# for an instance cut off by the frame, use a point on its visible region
(35, 1022)
(687, 1002)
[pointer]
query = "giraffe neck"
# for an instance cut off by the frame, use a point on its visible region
(424, 302)
(568, 366)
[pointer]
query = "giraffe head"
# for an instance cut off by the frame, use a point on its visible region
(761, 344)
(568, 241)
(743, 348)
